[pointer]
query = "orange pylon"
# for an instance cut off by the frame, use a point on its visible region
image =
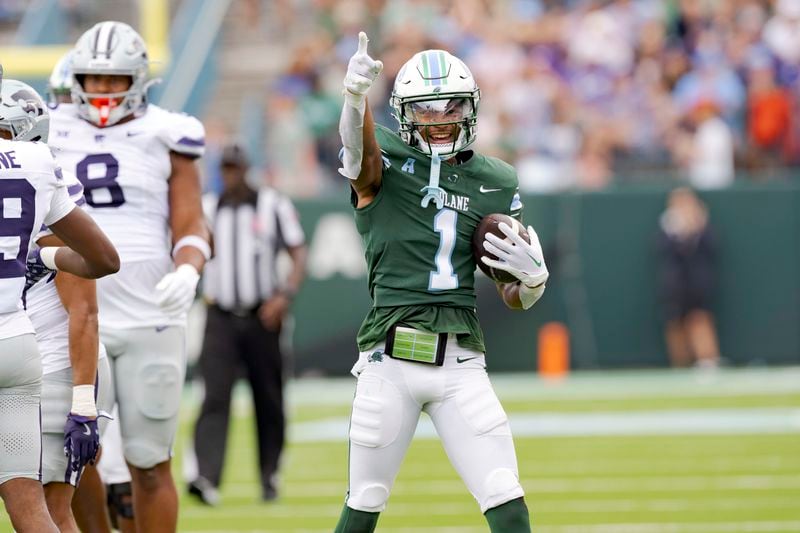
(553, 350)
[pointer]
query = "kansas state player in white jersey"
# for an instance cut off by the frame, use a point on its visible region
(63, 310)
(136, 163)
(32, 192)
(89, 499)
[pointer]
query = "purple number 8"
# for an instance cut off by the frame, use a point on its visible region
(16, 224)
(108, 180)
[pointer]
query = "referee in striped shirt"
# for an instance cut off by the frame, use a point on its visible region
(247, 306)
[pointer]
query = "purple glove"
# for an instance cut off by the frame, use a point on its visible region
(81, 441)
(35, 269)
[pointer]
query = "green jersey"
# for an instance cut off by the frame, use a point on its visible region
(421, 270)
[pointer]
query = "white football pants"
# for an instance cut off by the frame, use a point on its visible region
(56, 403)
(465, 411)
(20, 416)
(148, 365)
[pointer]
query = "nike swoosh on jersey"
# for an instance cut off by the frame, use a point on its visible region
(134, 133)
(484, 189)
(465, 359)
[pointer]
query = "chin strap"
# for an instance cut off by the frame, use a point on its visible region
(432, 190)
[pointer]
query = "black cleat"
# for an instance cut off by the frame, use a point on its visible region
(204, 491)
(269, 493)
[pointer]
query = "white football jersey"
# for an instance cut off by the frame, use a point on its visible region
(49, 318)
(32, 193)
(125, 171)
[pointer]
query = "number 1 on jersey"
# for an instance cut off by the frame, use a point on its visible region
(443, 278)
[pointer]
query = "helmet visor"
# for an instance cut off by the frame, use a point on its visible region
(17, 128)
(438, 111)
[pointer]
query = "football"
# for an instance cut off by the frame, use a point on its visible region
(489, 224)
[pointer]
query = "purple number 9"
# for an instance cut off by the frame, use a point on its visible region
(17, 218)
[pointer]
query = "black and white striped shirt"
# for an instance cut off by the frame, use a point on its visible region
(248, 236)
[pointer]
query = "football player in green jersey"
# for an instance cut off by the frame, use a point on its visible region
(418, 197)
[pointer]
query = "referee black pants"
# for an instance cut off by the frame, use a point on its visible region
(234, 343)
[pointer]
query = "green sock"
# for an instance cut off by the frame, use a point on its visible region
(510, 517)
(353, 521)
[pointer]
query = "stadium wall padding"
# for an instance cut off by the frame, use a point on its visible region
(600, 249)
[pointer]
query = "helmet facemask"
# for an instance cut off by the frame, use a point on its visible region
(424, 123)
(106, 109)
(19, 129)
(434, 89)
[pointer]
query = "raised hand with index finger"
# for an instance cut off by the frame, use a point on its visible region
(362, 71)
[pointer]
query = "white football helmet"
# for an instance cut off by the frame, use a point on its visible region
(59, 85)
(436, 83)
(112, 48)
(23, 112)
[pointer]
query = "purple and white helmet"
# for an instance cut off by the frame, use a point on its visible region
(112, 48)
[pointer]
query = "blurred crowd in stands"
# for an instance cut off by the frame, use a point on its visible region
(578, 94)
(77, 16)
(11, 11)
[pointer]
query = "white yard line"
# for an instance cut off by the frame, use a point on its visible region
(730, 485)
(624, 384)
(578, 387)
(599, 463)
(775, 420)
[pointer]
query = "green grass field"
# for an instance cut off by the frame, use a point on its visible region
(621, 452)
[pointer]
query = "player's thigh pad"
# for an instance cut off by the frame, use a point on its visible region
(149, 379)
(377, 412)
(56, 403)
(20, 393)
(479, 406)
(382, 425)
(479, 441)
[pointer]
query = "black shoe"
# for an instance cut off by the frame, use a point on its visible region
(205, 491)
(269, 494)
